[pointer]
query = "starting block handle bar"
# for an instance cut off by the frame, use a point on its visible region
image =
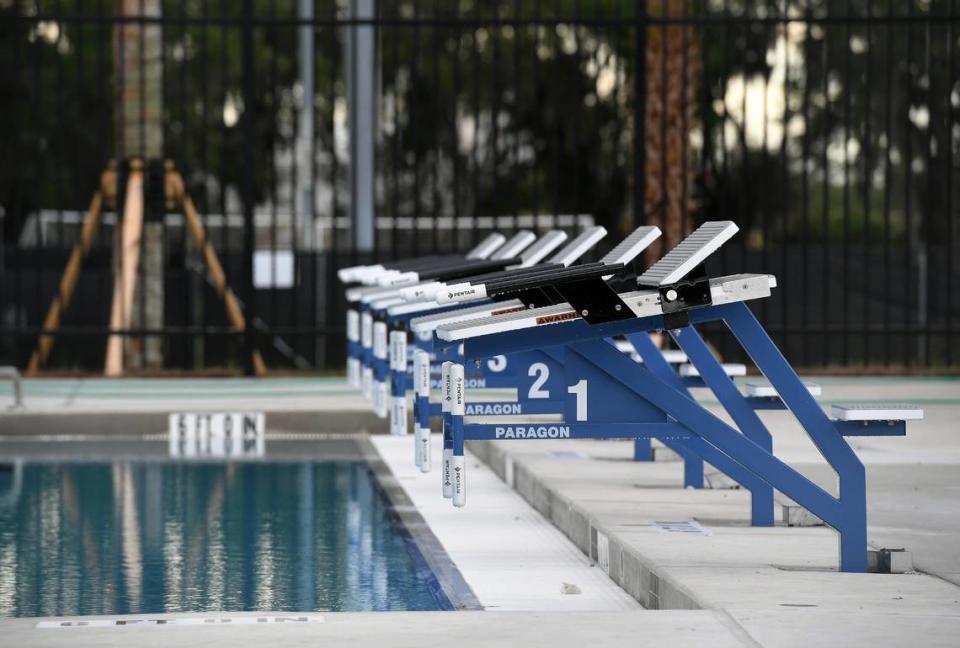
(398, 395)
(421, 385)
(366, 346)
(447, 387)
(458, 464)
(353, 346)
(380, 364)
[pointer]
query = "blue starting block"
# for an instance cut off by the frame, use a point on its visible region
(601, 393)
(530, 372)
(381, 308)
(367, 335)
(492, 253)
(503, 295)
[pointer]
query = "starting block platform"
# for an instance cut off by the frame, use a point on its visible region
(568, 339)
(731, 369)
(766, 390)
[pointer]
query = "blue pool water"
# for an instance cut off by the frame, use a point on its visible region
(102, 538)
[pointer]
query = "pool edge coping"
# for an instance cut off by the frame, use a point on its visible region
(448, 575)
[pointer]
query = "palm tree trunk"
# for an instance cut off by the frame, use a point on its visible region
(138, 66)
(673, 70)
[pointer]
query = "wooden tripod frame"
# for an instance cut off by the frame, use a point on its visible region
(130, 226)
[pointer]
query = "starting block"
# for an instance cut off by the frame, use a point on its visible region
(766, 390)
(764, 396)
(691, 375)
(874, 419)
(516, 291)
(367, 339)
(551, 334)
(394, 312)
(360, 331)
(730, 369)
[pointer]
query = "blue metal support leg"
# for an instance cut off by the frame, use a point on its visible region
(714, 431)
(655, 362)
(737, 406)
(851, 522)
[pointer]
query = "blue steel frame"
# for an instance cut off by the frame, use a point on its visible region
(401, 382)
(746, 454)
(693, 450)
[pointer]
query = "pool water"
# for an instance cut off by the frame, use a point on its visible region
(150, 537)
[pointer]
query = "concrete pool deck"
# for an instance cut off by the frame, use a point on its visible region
(683, 629)
(140, 406)
(90, 395)
(779, 584)
(756, 586)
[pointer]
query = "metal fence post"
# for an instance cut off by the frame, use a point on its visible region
(305, 130)
(362, 116)
(249, 178)
(639, 116)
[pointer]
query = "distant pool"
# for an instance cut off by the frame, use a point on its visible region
(151, 537)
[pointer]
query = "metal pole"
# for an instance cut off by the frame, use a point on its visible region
(362, 109)
(304, 197)
(639, 113)
(249, 177)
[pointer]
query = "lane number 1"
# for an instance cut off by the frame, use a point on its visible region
(580, 391)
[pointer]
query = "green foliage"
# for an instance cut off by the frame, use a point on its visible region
(501, 108)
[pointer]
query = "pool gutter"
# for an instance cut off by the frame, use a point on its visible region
(448, 576)
(101, 423)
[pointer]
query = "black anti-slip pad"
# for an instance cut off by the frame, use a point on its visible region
(555, 277)
(466, 268)
(491, 277)
(537, 274)
(445, 263)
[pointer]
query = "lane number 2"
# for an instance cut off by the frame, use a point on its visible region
(542, 373)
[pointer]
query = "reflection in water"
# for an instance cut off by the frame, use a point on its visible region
(92, 538)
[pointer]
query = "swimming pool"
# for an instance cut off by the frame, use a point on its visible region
(149, 536)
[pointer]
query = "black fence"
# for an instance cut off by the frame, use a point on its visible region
(828, 131)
